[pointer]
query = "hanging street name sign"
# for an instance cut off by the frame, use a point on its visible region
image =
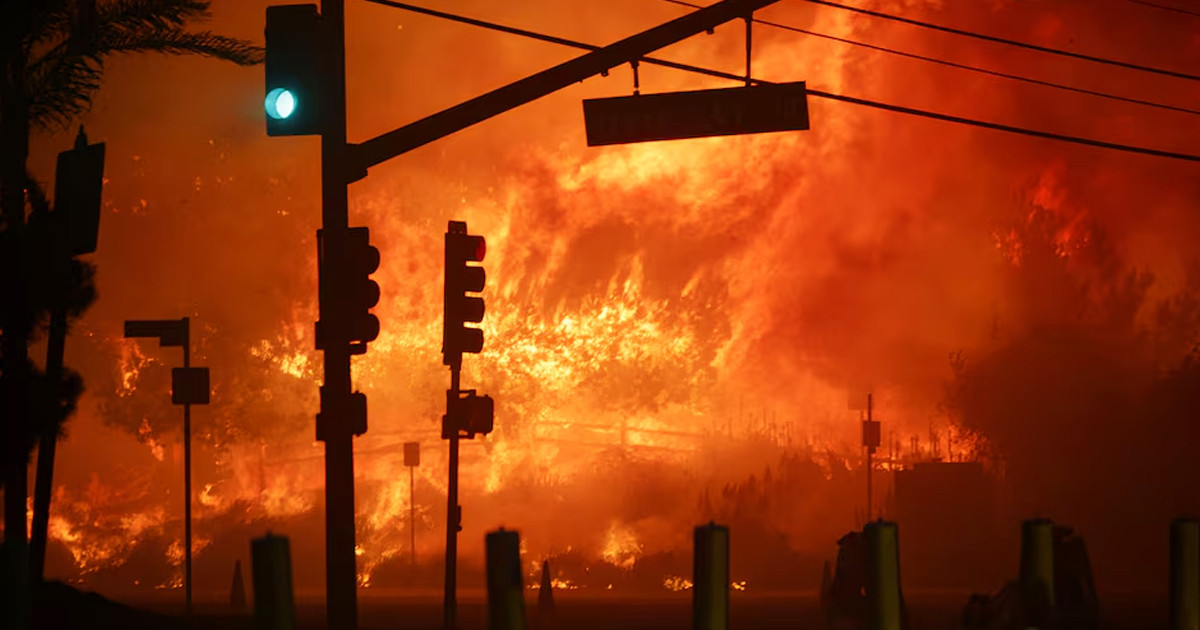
(698, 114)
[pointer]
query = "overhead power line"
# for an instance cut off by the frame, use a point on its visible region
(1010, 42)
(1001, 127)
(1165, 7)
(961, 66)
(817, 93)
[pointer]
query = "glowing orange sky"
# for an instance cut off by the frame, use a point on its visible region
(667, 287)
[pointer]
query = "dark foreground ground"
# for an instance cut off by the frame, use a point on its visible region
(575, 611)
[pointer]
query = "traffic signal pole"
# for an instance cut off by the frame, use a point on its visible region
(341, 164)
(341, 580)
(453, 516)
(187, 478)
(413, 135)
(474, 414)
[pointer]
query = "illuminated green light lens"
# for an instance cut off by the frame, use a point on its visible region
(280, 103)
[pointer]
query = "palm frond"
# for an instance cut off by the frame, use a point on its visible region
(178, 42)
(139, 15)
(61, 88)
(63, 78)
(51, 21)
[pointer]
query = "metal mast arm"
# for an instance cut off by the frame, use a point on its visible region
(478, 109)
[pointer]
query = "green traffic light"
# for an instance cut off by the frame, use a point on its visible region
(280, 103)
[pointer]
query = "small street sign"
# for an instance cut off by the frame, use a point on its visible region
(697, 114)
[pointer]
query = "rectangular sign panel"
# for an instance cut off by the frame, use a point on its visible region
(412, 454)
(698, 114)
(189, 386)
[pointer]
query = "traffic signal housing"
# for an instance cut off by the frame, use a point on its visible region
(462, 278)
(468, 415)
(296, 70)
(361, 293)
(352, 419)
(79, 182)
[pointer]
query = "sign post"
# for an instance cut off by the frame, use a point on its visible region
(412, 459)
(870, 439)
(189, 386)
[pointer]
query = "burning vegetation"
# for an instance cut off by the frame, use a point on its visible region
(673, 329)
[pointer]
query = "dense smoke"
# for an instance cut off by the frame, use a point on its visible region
(664, 320)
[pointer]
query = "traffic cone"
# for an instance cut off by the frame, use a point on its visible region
(826, 581)
(826, 587)
(545, 604)
(237, 593)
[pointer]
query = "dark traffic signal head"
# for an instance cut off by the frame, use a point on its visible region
(295, 70)
(468, 416)
(461, 278)
(480, 414)
(77, 189)
(360, 292)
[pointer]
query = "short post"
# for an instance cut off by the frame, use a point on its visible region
(1037, 569)
(710, 578)
(271, 566)
(885, 602)
(505, 588)
(1185, 574)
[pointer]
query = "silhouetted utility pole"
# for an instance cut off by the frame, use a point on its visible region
(870, 436)
(189, 386)
(47, 445)
(15, 313)
(79, 179)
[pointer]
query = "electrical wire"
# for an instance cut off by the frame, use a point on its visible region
(961, 66)
(817, 93)
(1165, 7)
(1009, 42)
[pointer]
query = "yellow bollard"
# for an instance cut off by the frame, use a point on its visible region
(271, 569)
(710, 578)
(506, 594)
(885, 603)
(1037, 569)
(1185, 574)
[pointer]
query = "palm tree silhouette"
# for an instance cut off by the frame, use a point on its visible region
(52, 56)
